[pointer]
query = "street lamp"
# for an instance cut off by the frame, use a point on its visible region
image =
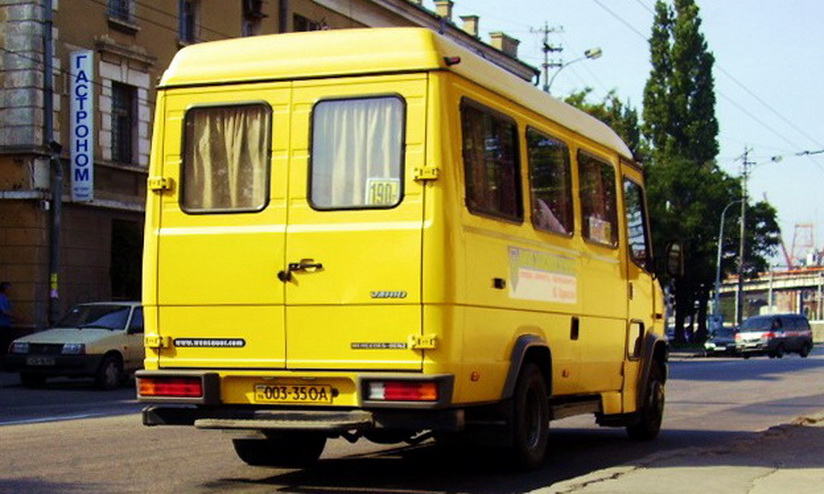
(716, 300)
(590, 54)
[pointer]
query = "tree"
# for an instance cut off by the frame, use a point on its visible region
(620, 116)
(687, 190)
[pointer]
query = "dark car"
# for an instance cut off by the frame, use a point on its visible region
(721, 342)
(774, 335)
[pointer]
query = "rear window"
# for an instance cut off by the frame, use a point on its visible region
(357, 153)
(226, 159)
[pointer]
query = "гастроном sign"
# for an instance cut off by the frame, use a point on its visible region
(81, 97)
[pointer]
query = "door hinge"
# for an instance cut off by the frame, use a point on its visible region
(159, 184)
(156, 341)
(422, 342)
(427, 173)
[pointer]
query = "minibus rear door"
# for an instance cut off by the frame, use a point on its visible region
(354, 235)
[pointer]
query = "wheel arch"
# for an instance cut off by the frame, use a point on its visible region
(528, 348)
(654, 352)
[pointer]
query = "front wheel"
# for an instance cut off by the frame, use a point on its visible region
(281, 449)
(651, 413)
(530, 431)
(110, 373)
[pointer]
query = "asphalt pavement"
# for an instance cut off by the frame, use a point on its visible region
(787, 458)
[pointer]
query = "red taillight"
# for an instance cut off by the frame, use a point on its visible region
(403, 391)
(188, 387)
(768, 335)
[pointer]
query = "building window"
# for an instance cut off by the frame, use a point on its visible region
(252, 16)
(301, 24)
(120, 10)
(598, 204)
(491, 165)
(188, 20)
(124, 122)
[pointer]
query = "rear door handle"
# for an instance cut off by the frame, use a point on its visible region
(308, 265)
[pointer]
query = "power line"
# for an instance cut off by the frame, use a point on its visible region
(721, 93)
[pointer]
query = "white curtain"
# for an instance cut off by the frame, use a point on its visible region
(354, 142)
(226, 162)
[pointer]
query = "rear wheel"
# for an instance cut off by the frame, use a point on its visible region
(530, 429)
(805, 350)
(110, 373)
(281, 449)
(651, 413)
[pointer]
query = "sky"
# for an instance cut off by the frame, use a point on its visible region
(769, 68)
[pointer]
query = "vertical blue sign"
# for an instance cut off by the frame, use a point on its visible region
(81, 96)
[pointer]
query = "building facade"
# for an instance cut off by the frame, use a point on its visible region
(77, 87)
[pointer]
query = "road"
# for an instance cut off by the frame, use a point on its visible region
(710, 402)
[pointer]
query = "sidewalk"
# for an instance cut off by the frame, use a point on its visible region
(783, 459)
(787, 458)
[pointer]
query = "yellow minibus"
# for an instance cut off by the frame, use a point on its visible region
(376, 233)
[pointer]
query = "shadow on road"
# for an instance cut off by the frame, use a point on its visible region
(430, 469)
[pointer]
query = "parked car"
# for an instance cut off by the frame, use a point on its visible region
(721, 342)
(774, 335)
(103, 340)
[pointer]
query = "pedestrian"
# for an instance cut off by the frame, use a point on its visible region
(5, 318)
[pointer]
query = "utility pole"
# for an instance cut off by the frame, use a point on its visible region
(547, 49)
(739, 305)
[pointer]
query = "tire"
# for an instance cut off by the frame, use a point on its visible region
(779, 351)
(109, 375)
(651, 413)
(805, 350)
(530, 421)
(32, 380)
(281, 449)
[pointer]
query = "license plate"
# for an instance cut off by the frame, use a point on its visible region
(292, 393)
(40, 361)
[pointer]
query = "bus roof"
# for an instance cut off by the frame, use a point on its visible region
(345, 52)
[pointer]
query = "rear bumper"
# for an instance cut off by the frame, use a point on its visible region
(212, 410)
(333, 421)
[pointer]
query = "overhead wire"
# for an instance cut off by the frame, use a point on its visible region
(723, 95)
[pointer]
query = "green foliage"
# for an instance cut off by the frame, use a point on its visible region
(687, 191)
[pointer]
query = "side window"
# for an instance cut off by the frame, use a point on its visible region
(550, 183)
(226, 159)
(357, 153)
(136, 324)
(636, 216)
(491, 166)
(598, 205)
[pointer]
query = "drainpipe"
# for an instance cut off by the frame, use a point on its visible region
(54, 162)
(283, 16)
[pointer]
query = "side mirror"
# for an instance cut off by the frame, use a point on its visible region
(675, 259)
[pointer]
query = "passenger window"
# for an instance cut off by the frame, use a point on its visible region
(491, 166)
(636, 224)
(357, 153)
(598, 205)
(226, 159)
(550, 183)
